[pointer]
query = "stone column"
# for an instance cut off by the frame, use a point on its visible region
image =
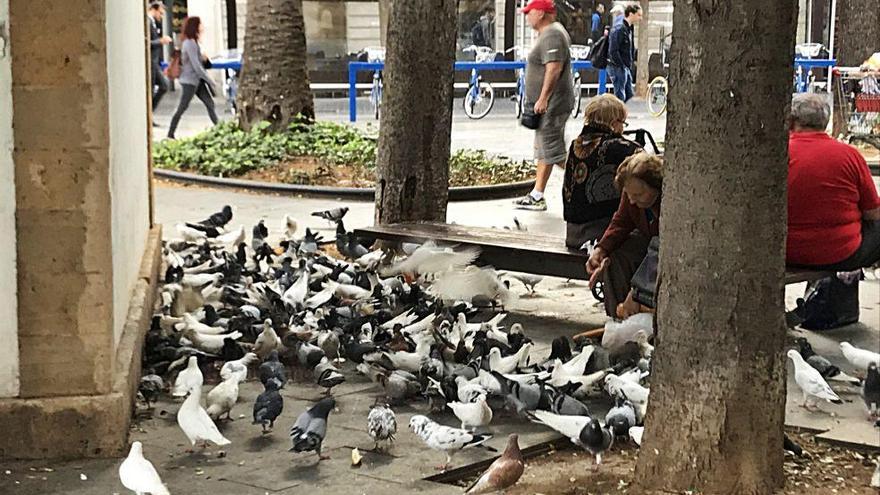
(61, 155)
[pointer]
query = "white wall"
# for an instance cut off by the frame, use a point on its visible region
(8, 301)
(129, 180)
(212, 40)
(362, 25)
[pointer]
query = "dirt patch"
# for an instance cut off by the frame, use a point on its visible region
(824, 470)
(313, 172)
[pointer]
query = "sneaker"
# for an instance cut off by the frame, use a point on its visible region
(527, 202)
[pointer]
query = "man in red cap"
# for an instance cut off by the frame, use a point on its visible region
(549, 88)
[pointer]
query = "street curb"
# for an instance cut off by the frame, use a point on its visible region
(466, 193)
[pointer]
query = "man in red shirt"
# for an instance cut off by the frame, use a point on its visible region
(833, 205)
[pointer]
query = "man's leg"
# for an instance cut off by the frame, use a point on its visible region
(618, 79)
(628, 86)
(550, 150)
(161, 85)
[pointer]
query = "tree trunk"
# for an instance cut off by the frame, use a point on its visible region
(857, 36)
(642, 44)
(413, 156)
(274, 82)
(716, 413)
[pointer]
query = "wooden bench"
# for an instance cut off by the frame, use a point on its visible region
(529, 252)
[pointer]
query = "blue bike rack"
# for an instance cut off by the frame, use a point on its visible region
(355, 67)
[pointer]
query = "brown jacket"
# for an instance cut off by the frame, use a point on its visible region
(628, 218)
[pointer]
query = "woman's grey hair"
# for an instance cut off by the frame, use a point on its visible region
(810, 111)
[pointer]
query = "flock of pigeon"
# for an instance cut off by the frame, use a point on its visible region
(403, 316)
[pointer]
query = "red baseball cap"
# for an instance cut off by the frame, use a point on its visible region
(543, 5)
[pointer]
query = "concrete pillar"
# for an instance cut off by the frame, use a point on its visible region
(60, 116)
(8, 311)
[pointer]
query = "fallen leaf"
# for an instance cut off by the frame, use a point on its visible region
(83, 477)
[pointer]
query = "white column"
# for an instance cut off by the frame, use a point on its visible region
(9, 383)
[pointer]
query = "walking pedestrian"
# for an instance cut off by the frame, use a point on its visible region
(549, 87)
(621, 52)
(596, 26)
(194, 78)
(158, 81)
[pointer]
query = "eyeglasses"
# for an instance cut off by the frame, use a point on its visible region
(625, 123)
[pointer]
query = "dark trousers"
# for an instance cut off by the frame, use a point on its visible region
(189, 90)
(625, 260)
(160, 83)
(866, 255)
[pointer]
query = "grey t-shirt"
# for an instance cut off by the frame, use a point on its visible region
(552, 45)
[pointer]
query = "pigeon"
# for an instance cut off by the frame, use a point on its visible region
(307, 355)
(583, 431)
(272, 368)
(399, 385)
(238, 368)
(860, 358)
(621, 417)
(138, 474)
(309, 243)
(327, 375)
(473, 415)
(150, 387)
(258, 235)
(444, 438)
(334, 215)
(503, 473)
(188, 378)
(810, 381)
(871, 391)
(528, 280)
(190, 234)
(217, 220)
(636, 432)
(195, 422)
(267, 341)
(290, 226)
(789, 446)
(307, 434)
(268, 405)
(381, 424)
(221, 399)
(822, 365)
(510, 363)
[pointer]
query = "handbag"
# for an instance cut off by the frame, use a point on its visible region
(644, 281)
(173, 69)
(530, 119)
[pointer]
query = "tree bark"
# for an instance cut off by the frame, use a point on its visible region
(716, 413)
(413, 155)
(642, 62)
(274, 82)
(857, 36)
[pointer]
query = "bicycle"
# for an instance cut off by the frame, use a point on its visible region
(480, 95)
(519, 97)
(658, 88)
(578, 52)
(375, 54)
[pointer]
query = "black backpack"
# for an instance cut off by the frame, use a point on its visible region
(829, 303)
(599, 53)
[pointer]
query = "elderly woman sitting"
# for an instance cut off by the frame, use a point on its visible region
(625, 243)
(588, 192)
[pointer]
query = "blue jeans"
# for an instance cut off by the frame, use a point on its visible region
(623, 82)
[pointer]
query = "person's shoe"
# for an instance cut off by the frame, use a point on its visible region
(527, 202)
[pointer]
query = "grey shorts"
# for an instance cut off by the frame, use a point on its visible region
(550, 145)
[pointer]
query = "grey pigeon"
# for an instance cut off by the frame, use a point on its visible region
(332, 215)
(400, 385)
(596, 439)
(871, 391)
(568, 406)
(272, 368)
(308, 355)
(327, 375)
(150, 387)
(269, 405)
(307, 434)
(381, 424)
(621, 417)
(581, 430)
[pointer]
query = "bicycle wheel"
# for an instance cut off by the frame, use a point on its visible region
(518, 104)
(478, 103)
(657, 92)
(577, 97)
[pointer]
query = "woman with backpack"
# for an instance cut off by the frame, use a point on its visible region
(194, 79)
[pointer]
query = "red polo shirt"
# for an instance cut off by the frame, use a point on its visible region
(829, 186)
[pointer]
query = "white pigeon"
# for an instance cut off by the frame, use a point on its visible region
(578, 364)
(295, 295)
(190, 234)
(469, 283)
(569, 426)
(195, 422)
(510, 363)
(467, 391)
(290, 227)
(188, 378)
(444, 438)
(191, 322)
(238, 368)
(138, 474)
(633, 392)
(473, 415)
(201, 279)
(636, 432)
(222, 397)
(319, 298)
(267, 341)
(860, 358)
(586, 382)
(810, 381)
(382, 424)
(231, 239)
(429, 258)
(211, 344)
